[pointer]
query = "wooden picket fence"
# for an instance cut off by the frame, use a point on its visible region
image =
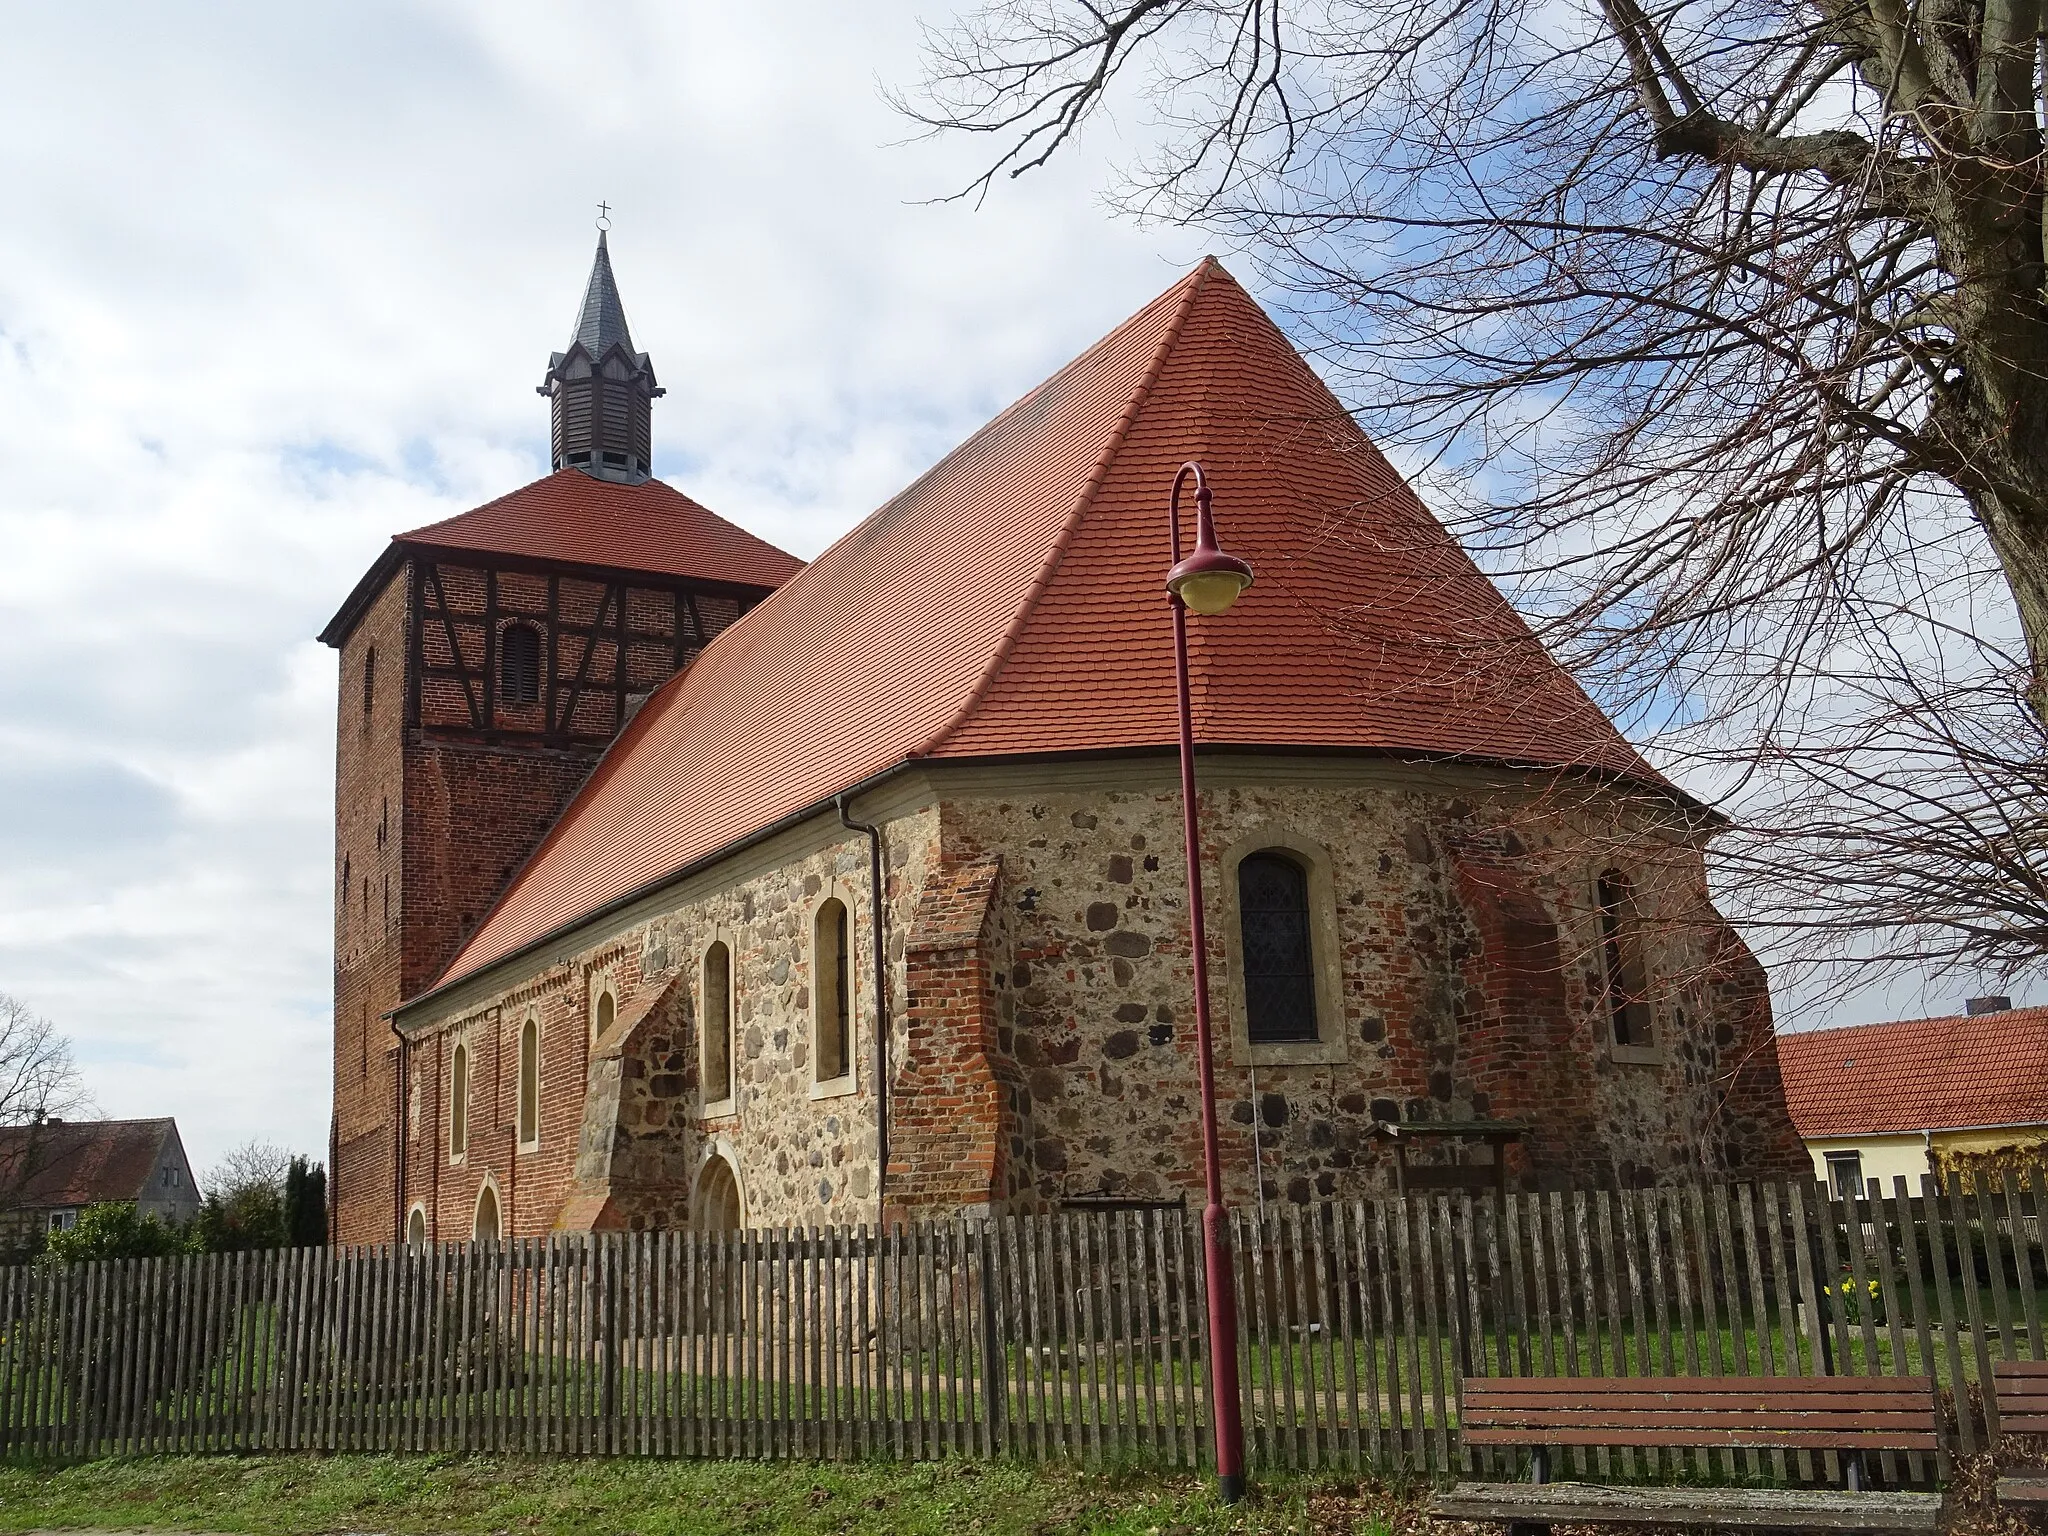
(1074, 1335)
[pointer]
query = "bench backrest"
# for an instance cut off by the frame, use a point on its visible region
(1866, 1413)
(2022, 1387)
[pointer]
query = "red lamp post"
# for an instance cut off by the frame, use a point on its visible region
(1207, 581)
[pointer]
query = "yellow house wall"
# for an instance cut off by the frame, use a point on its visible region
(1884, 1157)
(1992, 1140)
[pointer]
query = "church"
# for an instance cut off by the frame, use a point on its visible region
(682, 883)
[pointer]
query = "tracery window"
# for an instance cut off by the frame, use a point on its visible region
(1279, 954)
(519, 665)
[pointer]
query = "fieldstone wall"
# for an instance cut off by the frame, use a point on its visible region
(1042, 1038)
(1470, 987)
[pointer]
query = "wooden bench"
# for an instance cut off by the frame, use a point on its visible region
(2021, 1389)
(1855, 1416)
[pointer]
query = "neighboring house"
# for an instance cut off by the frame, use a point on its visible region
(52, 1171)
(1957, 1093)
(1442, 887)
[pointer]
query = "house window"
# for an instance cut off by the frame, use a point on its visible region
(519, 665)
(529, 1084)
(831, 1002)
(716, 1015)
(458, 1102)
(484, 1228)
(369, 680)
(170, 1178)
(64, 1220)
(1621, 954)
(1845, 1174)
(1279, 956)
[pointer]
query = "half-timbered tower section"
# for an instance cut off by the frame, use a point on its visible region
(486, 663)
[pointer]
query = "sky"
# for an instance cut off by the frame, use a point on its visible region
(279, 281)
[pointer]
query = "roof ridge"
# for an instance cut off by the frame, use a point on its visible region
(1194, 284)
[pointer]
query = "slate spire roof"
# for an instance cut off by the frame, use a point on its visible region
(601, 322)
(1011, 603)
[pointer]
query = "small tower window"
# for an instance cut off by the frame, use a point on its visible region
(717, 1023)
(831, 1000)
(369, 680)
(1279, 957)
(529, 1084)
(458, 1102)
(1621, 954)
(519, 665)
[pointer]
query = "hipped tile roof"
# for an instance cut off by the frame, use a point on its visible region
(570, 518)
(1011, 602)
(81, 1162)
(1918, 1075)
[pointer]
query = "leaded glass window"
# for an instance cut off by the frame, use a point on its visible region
(1279, 959)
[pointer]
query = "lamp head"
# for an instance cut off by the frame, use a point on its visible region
(1208, 580)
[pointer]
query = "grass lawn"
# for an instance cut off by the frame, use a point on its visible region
(485, 1496)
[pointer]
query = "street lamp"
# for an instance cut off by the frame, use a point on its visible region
(1207, 581)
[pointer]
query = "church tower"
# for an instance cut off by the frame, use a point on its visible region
(487, 661)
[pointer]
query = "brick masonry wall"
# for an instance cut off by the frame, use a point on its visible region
(1468, 985)
(369, 786)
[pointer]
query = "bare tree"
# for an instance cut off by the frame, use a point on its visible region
(254, 1165)
(1717, 327)
(40, 1087)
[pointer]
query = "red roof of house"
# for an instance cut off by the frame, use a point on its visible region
(81, 1162)
(570, 518)
(1011, 602)
(1918, 1075)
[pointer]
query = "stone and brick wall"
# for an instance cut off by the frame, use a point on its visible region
(1042, 1034)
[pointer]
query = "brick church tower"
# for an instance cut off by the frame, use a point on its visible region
(487, 661)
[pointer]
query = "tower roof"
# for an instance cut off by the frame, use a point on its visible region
(573, 519)
(1010, 602)
(601, 322)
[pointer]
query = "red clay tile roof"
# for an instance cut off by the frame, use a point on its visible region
(1919, 1075)
(570, 518)
(82, 1162)
(1011, 602)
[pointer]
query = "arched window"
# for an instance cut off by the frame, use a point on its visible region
(1621, 956)
(369, 679)
(602, 1014)
(416, 1228)
(716, 1023)
(458, 1102)
(831, 999)
(519, 665)
(1279, 956)
(484, 1229)
(718, 1204)
(529, 1084)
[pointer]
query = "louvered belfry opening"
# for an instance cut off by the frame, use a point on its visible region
(601, 392)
